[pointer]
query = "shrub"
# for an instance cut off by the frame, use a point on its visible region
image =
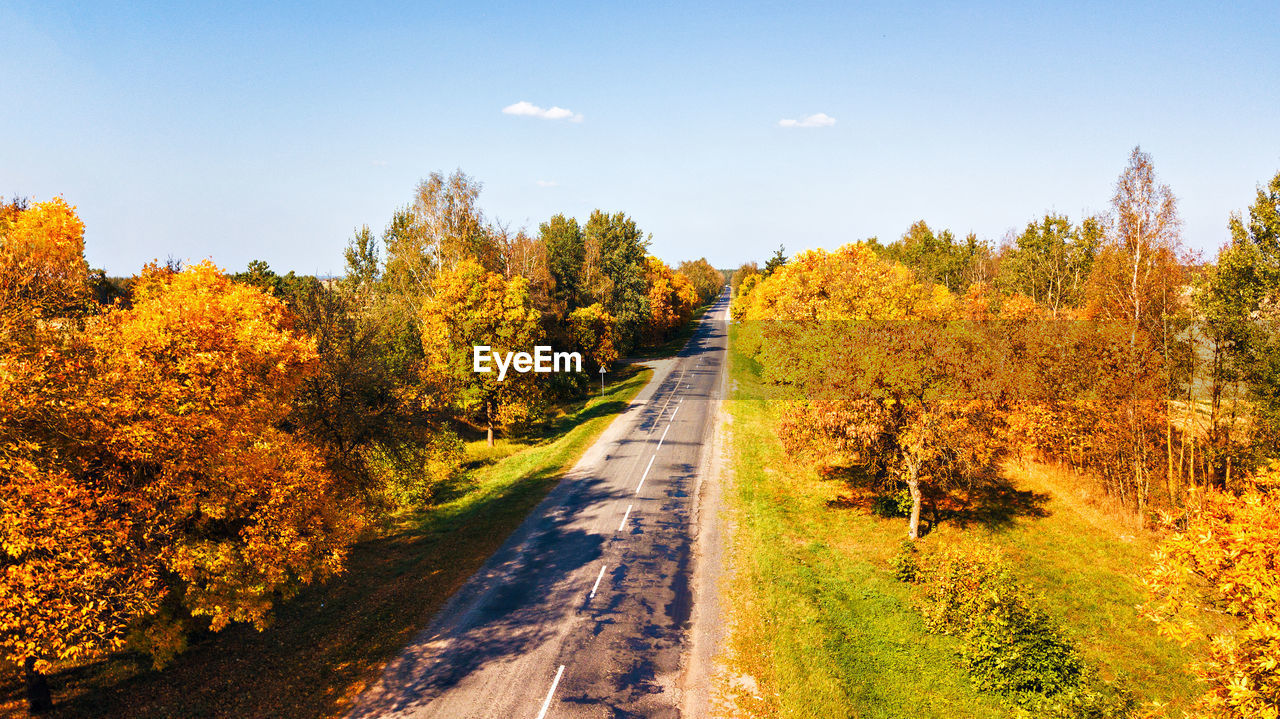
(1223, 559)
(891, 505)
(906, 566)
(1008, 643)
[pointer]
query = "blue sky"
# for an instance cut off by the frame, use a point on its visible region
(261, 130)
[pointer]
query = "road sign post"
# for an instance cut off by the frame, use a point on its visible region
(601, 380)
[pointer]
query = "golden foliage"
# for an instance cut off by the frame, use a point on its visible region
(42, 268)
(593, 331)
(143, 459)
(672, 298)
(472, 306)
(1226, 559)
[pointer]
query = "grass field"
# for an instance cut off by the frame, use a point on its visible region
(330, 641)
(822, 628)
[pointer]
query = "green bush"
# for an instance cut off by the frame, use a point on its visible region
(1013, 647)
(1009, 644)
(906, 565)
(892, 504)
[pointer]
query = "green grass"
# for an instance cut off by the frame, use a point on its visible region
(332, 640)
(820, 623)
(826, 631)
(1086, 567)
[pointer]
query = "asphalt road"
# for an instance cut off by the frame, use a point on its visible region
(585, 611)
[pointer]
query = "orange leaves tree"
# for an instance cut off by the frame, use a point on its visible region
(147, 474)
(671, 299)
(886, 378)
(194, 384)
(42, 268)
(1094, 399)
(1225, 559)
(919, 401)
(70, 580)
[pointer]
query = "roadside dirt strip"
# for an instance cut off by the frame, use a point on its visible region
(586, 610)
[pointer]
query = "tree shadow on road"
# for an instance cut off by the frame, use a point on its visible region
(508, 614)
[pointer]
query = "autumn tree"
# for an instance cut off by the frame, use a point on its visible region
(441, 229)
(671, 299)
(740, 275)
(472, 306)
(525, 256)
(67, 585)
(707, 280)
(1138, 273)
(1138, 279)
(43, 273)
(593, 330)
(146, 475)
(882, 377)
(1093, 399)
(200, 375)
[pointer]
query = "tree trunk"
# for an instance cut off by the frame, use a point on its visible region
(913, 485)
(490, 434)
(39, 698)
(1192, 466)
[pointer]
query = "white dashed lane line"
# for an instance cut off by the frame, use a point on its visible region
(546, 704)
(599, 576)
(646, 473)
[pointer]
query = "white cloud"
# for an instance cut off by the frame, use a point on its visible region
(820, 119)
(548, 183)
(554, 112)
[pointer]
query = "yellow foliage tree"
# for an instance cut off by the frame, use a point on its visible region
(42, 268)
(593, 333)
(472, 306)
(195, 381)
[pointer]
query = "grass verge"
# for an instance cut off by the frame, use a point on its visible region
(822, 628)
(332, 640)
